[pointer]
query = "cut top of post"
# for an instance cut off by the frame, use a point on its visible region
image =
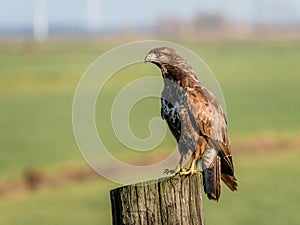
(171, 200)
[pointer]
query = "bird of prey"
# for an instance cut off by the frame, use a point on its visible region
(197, 121)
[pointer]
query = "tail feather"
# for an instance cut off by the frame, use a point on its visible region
(230, 181)
(212, 178)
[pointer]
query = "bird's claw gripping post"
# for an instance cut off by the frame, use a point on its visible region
(191, 171)
(169, 171)
(188, 172)
(178, 170)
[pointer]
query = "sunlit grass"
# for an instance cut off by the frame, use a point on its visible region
(37, 84)
(85, 203)
(267, 194)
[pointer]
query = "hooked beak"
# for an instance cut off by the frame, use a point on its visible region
(150, 58)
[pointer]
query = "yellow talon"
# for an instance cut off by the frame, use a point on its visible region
(191, 171)
(188, 172)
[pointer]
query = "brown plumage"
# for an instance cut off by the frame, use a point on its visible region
(196, 120)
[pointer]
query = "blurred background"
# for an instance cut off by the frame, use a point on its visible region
(252, 46)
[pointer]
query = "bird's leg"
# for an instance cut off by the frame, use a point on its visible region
(200, 148)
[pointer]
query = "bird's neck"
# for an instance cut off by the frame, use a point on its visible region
(184, 78)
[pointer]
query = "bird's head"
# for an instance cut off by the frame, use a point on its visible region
(172, 65)
(161, 56)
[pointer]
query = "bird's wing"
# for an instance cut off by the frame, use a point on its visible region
(211, 122)
(208, 114)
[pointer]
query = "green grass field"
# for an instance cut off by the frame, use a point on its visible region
(259, 80)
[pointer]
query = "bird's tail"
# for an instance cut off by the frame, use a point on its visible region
(230, 181)
(212, 179)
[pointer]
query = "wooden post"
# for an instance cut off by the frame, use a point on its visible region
(173, 200)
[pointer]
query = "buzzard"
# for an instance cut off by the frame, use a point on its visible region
(197, 121)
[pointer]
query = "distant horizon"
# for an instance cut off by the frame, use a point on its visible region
(105, 15)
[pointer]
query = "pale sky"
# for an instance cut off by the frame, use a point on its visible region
(120, 13)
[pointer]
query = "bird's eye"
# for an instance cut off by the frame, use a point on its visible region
(159, 54)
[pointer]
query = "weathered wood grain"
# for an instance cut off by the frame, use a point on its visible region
(174, 200)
